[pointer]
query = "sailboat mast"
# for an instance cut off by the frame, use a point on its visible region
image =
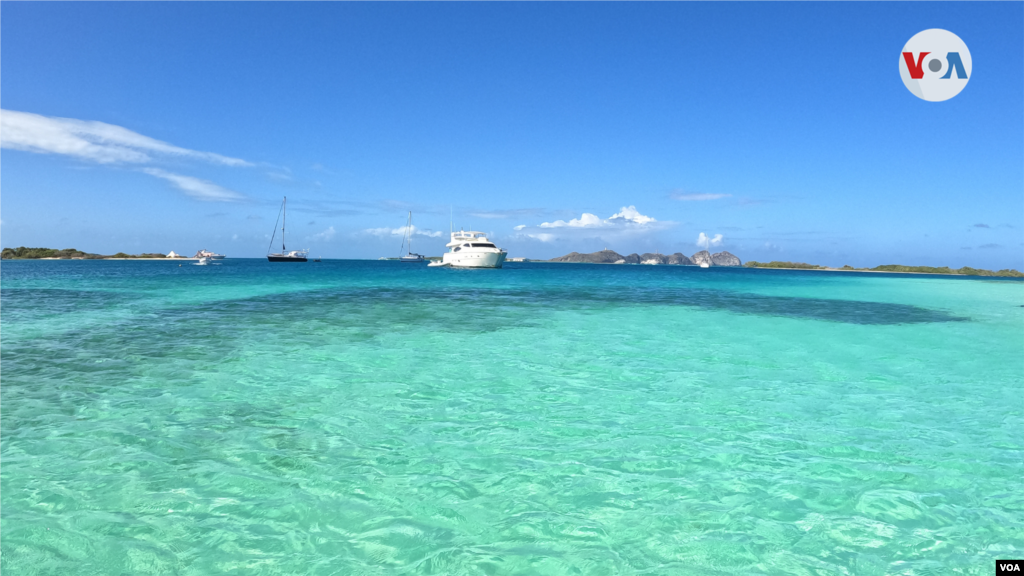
(283, 223)
(408, 228)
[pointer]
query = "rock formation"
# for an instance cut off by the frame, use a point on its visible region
(701, 258)
(725, 259)
(649, 258)
(633, 258)
(677, 259)
(602, 257)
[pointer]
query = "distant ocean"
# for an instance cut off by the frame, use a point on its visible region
(355, 417)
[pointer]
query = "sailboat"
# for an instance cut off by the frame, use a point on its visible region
(284, 255)
(411, 256)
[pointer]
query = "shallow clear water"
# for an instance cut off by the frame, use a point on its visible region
(352, 417)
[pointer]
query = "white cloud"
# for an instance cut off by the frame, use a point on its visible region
(698, 197)
(90, 140)
(402, 231)
(196, 188)
(585, 221)
(325, 235)
(543, 237)
(628, 215)
(626, 223)
(705, 241)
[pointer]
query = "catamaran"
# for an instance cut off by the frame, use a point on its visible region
(284, 255)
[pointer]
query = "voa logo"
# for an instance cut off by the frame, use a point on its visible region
(935, 65)
(1005, 567)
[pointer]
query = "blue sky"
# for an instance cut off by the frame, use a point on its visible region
(782, 127)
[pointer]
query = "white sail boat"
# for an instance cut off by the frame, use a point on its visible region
(407, 239)
(285, 255)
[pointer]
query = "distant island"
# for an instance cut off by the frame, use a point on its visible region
(965, 271)
(23, 253)
(677, 259)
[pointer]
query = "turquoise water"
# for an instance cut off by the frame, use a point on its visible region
(352, 417)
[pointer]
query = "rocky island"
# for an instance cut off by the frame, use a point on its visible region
(893, 268)
(677, 259)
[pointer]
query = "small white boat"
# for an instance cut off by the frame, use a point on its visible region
(471, 250)
(202, 261)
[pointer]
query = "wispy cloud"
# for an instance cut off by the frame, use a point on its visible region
(325, 235)
(92, 141)
(628, 215)
(283, 177)
(986, 246)
(697, 197)
(502, 214)
(628, 221)
(196, 188)
(982, 226)
(401, 231)
(754, 201)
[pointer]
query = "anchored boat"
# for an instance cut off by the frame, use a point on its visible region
(407, 239)
(471, 250)
(285, 255)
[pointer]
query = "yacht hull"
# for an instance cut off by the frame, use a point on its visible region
(286, 259)
(475, 259)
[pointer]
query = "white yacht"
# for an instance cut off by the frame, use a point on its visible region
(471, 250)
(204, 253)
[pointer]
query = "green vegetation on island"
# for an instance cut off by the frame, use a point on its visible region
(965, 271)
(777, 264)
(23, 253)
